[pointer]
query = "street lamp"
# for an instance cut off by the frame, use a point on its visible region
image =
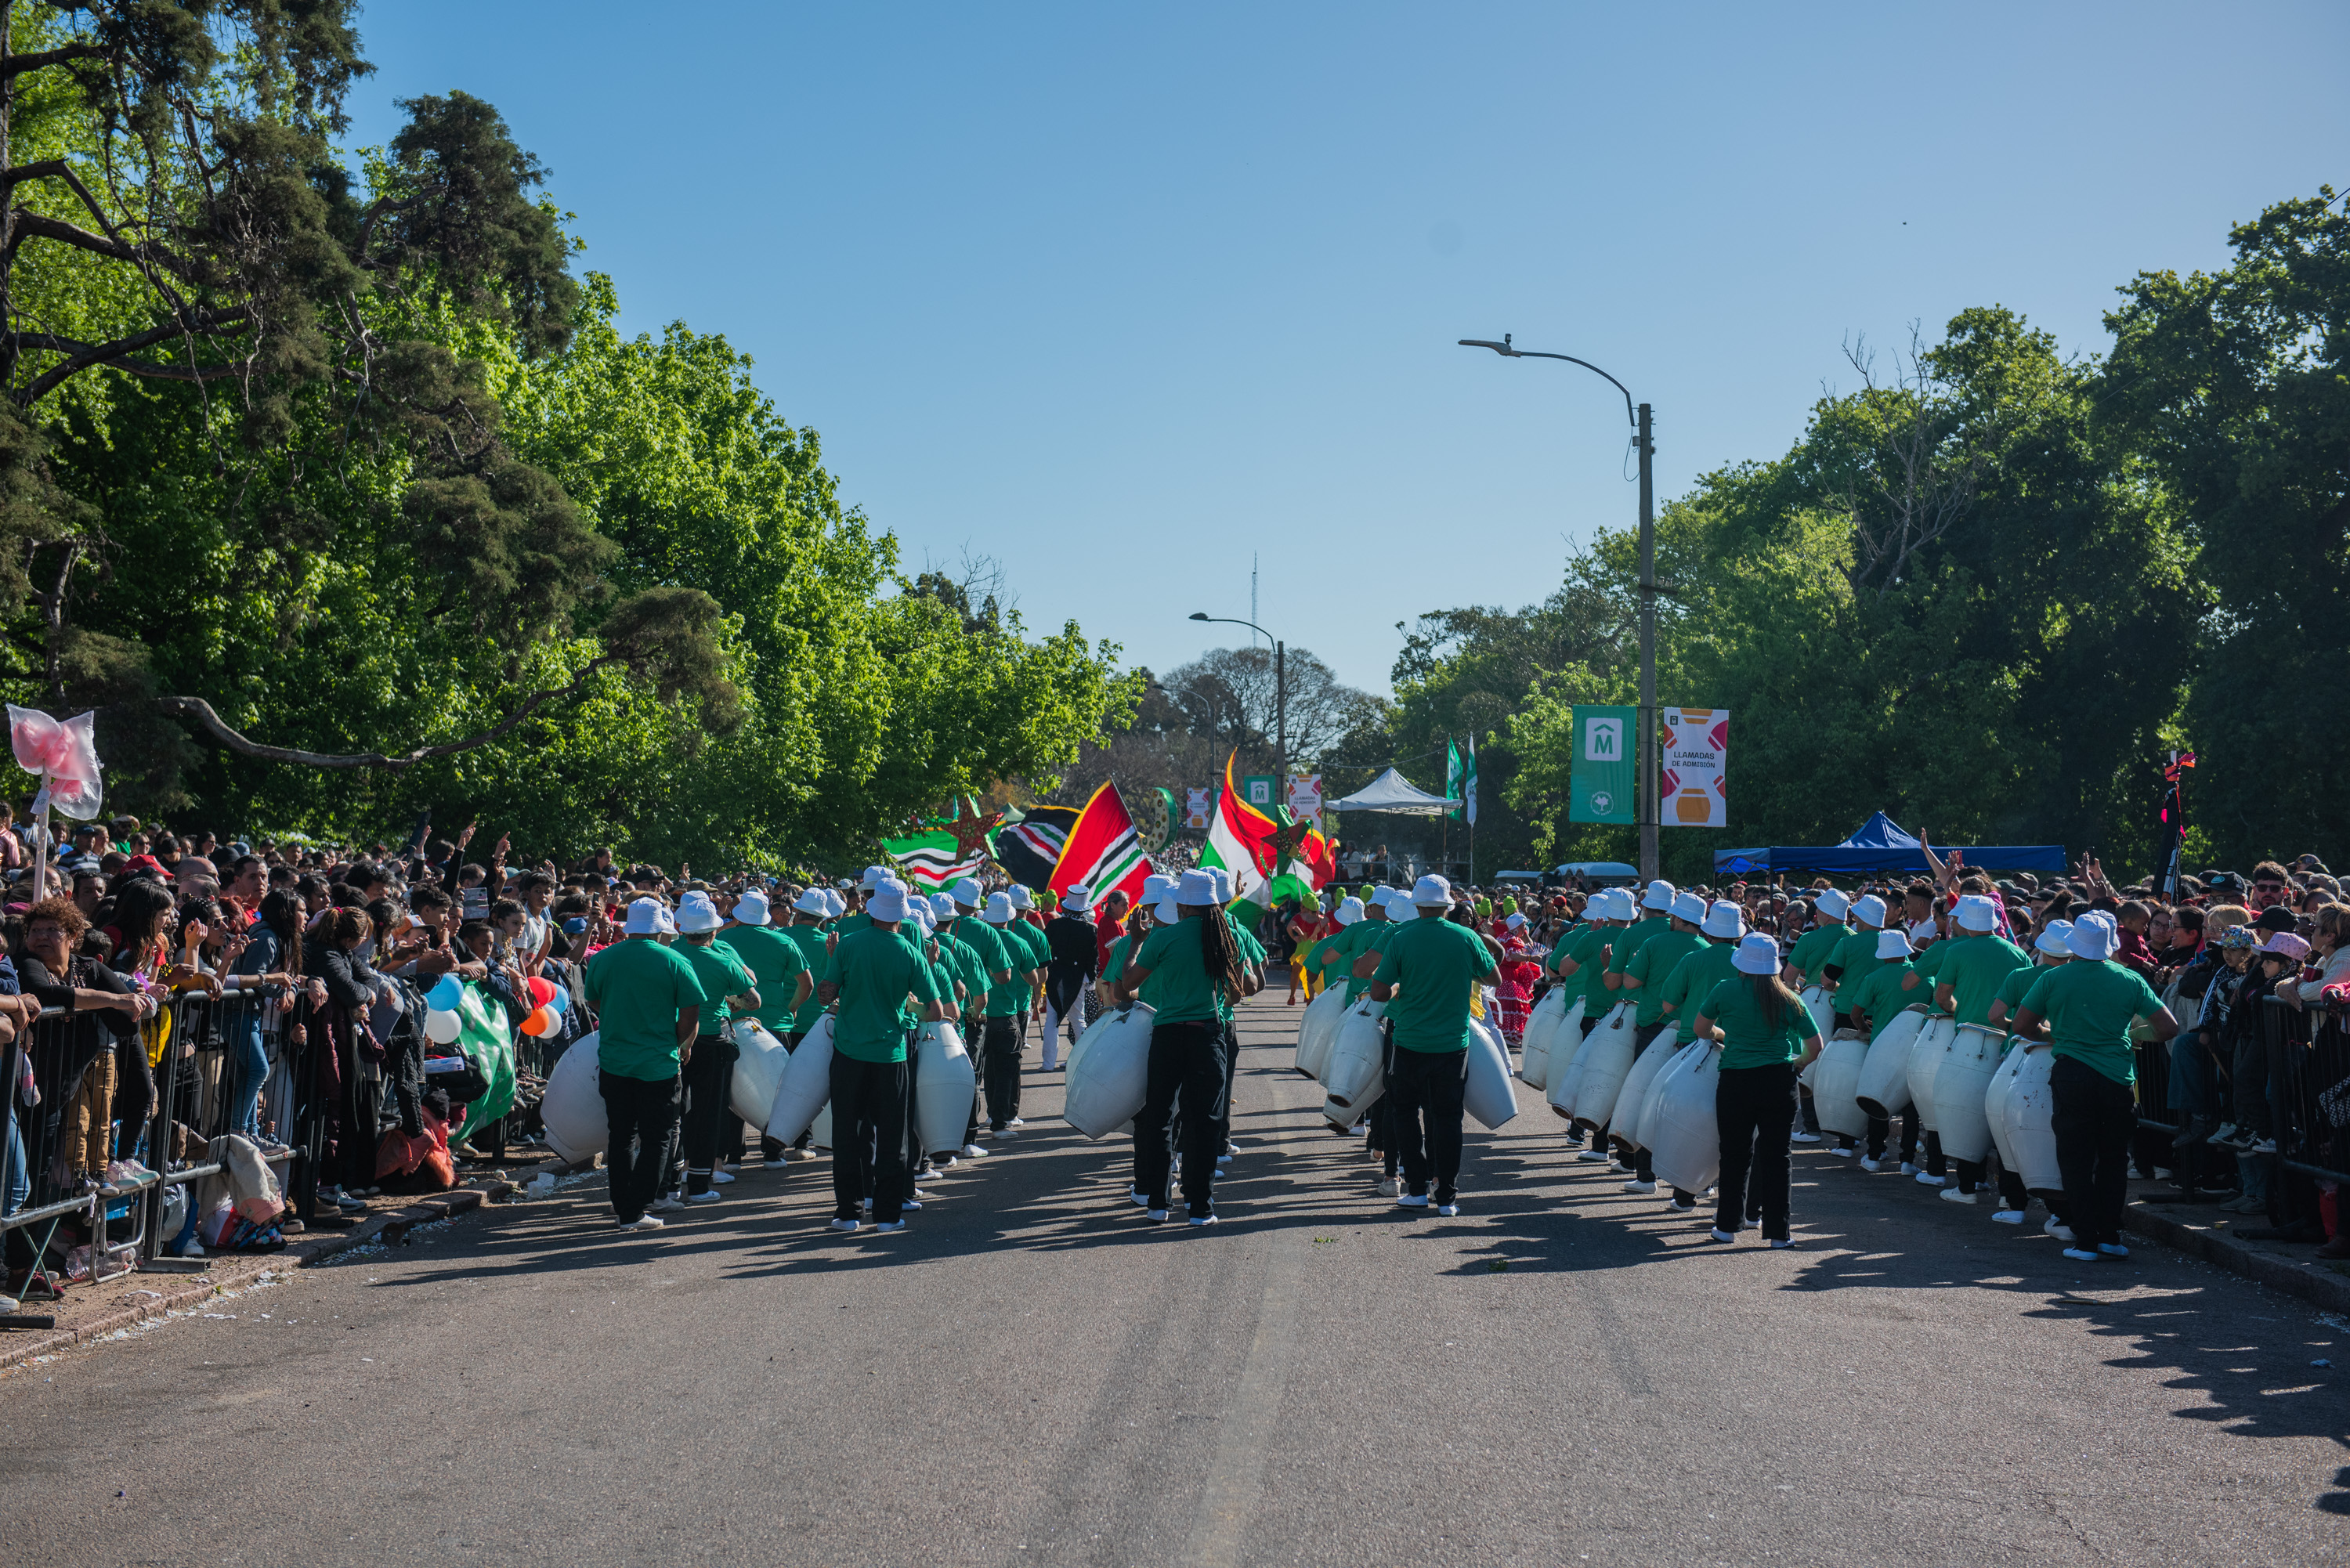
(1280, 689)
(1650, 808)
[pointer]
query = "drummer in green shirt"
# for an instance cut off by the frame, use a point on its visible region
(1815, 947)
(1873, 1001)
(727, 988)
(1856, 954)
(1643, 988)
(2083, 1012)
(1767, 1038)
(1683, 993)
(1656, 920)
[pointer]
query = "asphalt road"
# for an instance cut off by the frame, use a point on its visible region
(1031, 1375)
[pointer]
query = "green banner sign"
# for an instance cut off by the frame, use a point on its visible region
(1257, 790)
(1602, 783)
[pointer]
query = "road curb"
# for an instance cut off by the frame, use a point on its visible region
(2307, 1278)
(236, 1268)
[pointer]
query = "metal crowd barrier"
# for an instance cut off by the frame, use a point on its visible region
(2302, 1053)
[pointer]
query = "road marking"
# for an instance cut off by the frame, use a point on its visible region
(1236, 1468)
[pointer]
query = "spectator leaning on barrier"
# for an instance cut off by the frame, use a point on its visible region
(104, 1075)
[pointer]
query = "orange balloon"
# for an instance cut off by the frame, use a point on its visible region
(540, 1022)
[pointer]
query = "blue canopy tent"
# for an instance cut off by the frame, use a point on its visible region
(1881, 846)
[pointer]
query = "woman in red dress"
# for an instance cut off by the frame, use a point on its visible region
(1513, 981)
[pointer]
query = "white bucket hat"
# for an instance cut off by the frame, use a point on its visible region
(2093, 937)
(750, 908)
(1156, 887)
(999, 909)
(873, 877)
(1758, 954)
(888, 902)
(2055, 938)
(1893, 943)
(1197, 887)
(1431, 893)
(1349, 910)
(1661, 896)
(835, 906)
(942, 905)
(1725, 920)
(1833, 904)
(1869, 912)
(968, 894)
(1223, 880)
(646, 918)
(1977, 912)
(1022, 898)
(1689, 907)
(696, 914)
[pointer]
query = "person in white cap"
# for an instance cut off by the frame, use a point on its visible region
(869, 977)
(1069, 968)
(2053, 947)
(1580, 961)
(1329, 958)
(1425, 976)
(1190, 971)
(1027, 928)
(1872, 1003)
(1810, 955)
(648, 1007)
(1767, 1038)
(993, 1008)
(1252, 962)
(2083, 1012)
(1970, 967)
(728, 988)
(1655, 919)
(1007, 1004)
(1684, 991)
(779, 965)
(1357, 939)
(1644, 986)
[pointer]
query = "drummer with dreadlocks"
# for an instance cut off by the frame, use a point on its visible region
(1191, 971)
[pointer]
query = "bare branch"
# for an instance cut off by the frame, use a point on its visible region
(82, 356)
(26, 224)
(202, 712)
(17, 65)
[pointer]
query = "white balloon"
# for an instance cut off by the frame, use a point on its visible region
(443, 1027)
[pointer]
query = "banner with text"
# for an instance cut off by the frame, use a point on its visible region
(1305, 799)
(1696, 749)
(1601, 780)
(1199, 805)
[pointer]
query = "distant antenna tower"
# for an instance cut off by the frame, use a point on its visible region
(1252, 631)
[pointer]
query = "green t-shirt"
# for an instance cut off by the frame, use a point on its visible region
(2013, 989)
(1652, 966)
(2089, 1004)
(855, 920)
(962, 960)
(722, 974)
(777, 963)
(1695, 976)
(809, 940)
(1929, 962)
(1335, 952)
(1974, 968)
(1004, 998)
(1251, 949)
(1813, 948)
(1584, 945)
(1879, 994)
(876, 971)
(1749, 1038)
(1115, 966)
(1628, 942)
(637, 987)
(1856, 954)
(1009, 998)
(1178, 989)
(1433, 965)
(1032, 938)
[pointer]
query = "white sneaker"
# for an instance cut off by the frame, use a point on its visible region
(1595, 1156)
(1223, 1159)
(1201, 1220)
(1004, 1131)
(1016, 1122)
(2112, 1249)
(866, 1204)
(1678, 1207)
(665, 1204)
(642, 1222)
(2009, 1217)
(1844, 1153)
(1390, 1186)
(1910, 1168)
(1783, 1243)
(2062, 1233)
(705, 1198)
(1136, 1196)
(1636, 1185)
(720, 1177)
(1718, 1234)
(1953, 1195)
(1927, 1179)
(846, 1227)
(1413, 1200)
(1872, 1165)
(1805, 1137)
(1449, 1210)
(972, 1151)
(2081, 1254)
(890, 1227)
(1156, 1215)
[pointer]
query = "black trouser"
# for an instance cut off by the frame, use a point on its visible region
(1187, 1063)
(1755, 1108)
(1000, 1059)
(2095, 1118)
(642, 1114)
(1425, 1090)
(1231, 1071)
(1880, 1132)
(974, 1035)
(868, 1136)
(709, 1076)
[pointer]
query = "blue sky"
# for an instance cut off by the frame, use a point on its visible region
(1122, 294)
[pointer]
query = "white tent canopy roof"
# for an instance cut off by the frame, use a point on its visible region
(1393, 792)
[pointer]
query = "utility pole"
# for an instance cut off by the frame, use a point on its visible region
(1651, 809)
(1281, 714)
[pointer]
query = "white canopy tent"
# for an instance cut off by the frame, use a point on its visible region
(1393, 792)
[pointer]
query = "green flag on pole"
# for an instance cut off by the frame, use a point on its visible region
(485, 1036)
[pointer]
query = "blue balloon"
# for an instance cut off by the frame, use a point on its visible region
(446, 994)
(562, 1002)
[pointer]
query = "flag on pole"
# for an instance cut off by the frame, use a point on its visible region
(934, 858)
(1029, 850)
(1267, 858)
(1452, 777)
(1103, 853)
(1469, 784)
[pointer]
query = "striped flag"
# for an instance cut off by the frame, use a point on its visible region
(931, 860)
(1030, 848)
(1103, 853)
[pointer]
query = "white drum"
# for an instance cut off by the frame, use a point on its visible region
(1489, 1096)
(1884, 1087)
(1604, 1068)
(1822, 1007)
(805, 1086)
(1542, 1027)
(820, 1129)
(1835, 1079)
(2032, 1121)
(573, 1104)
(1969, 1063)
(1926, 1065)
(1110, 1078)
(1644, 1132)
(1567, 1046)
(944, 1079)
(1995, 1103)
(1614, 1032)
(1632, 1102)
(1357, 1073)
(1687, 1153)
(1317, 1030)
(758, 1068)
